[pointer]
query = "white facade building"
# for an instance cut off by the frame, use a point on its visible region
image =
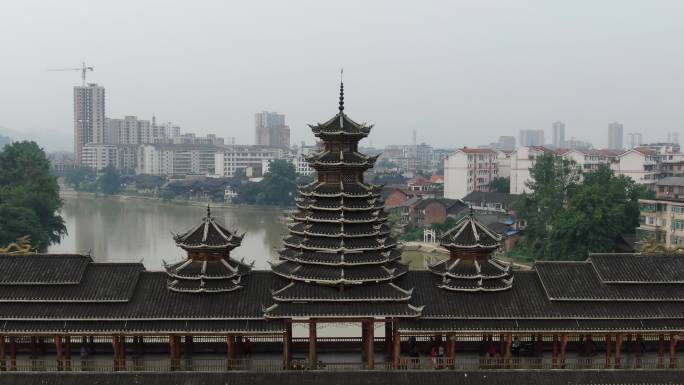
(89, 117)
(521, 160)
(176, 159)
(468, 170)
(99, 156)
(639, 164)
(230, 159)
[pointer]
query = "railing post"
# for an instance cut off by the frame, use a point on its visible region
(313, 360)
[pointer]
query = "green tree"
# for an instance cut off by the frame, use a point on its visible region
(500, 185)
(600, 209)
(77, 176)
(29, 196)
(278, 187)
(551, 178)
(109, 181)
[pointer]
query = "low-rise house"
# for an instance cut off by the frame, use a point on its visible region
(482, 201)
(431, 210)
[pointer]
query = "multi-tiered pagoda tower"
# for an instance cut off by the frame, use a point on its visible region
(471, 266)
(208, 266)
(340, 259)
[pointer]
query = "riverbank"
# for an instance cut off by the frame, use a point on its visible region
(75, 194)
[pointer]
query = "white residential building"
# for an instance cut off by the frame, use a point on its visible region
(176, 159)
(129, 130)
(521, 160)
(503, 163)
(640, 164)
(99, 156)
(591, 160)
(89, 117)
(468, 170)
(248, 158)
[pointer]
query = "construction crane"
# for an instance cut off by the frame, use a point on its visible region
(83, 70)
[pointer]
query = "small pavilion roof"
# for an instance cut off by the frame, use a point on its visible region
(469, 233)
(208, 234)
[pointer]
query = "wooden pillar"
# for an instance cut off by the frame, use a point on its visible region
(539, 345)
(67, 352)
(3, 364)
(370, 342)
(674, 338)
(174, 350)
(661, 349)
(509, 342)
(188, 347)
(364, 341)
(58, 350)
(388, 336)
(563, 347)
(618, 348)
(608, 349)
(122, 352)
(230, 347)
(13, 353)
(554, 351)
(588, 345)
(287, 346)
(34, 347)
(313, 359)
(396, 345)
(115, 348)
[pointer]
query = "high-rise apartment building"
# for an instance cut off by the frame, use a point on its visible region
(635, 139)
(468, 170)
(558, 134)
(673, 137)
(531, 138)
(506, 143)
(615, 136)
(89, 118)
(270, 130)
(129, 130)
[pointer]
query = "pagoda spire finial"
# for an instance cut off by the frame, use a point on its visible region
(208, 211)
(341, 90)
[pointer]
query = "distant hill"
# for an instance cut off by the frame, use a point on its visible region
(4, 140)
(44, 137)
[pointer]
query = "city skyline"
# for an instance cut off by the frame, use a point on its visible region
(463, 83)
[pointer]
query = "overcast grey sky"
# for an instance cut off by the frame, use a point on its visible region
(458, 72)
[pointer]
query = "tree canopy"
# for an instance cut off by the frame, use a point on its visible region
(278, 187)
(110, 181)
(570, 214)
(29, 196)
(500, 185)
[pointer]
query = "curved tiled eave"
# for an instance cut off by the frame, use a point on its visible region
(339, 245)
(325, 275)
(472, 270)
(302, 292)
(340, 259)
(375, 217)
(223, 268)
(202, 286)
(339, 231)
(351, 190)
(469, 285)
(372, 204)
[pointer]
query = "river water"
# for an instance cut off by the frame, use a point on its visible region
(131, 230)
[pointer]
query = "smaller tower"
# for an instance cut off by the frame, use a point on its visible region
(470, 266)
(208, 266)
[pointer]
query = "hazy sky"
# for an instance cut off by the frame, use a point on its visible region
(458, 72)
